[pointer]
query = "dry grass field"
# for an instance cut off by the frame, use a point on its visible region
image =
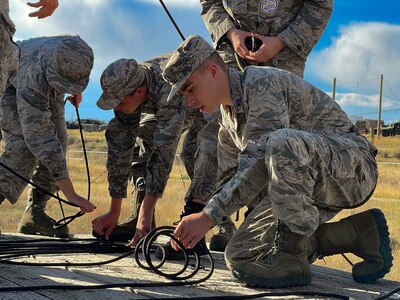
(386, 196)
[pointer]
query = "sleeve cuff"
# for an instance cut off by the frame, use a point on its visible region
(215, 211)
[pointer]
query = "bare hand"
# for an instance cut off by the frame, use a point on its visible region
(143, 227)
(105, 224)
(47, 7)
(85, 205)
(237, 37)
(75, 99)
(191, 229)
(271, 46)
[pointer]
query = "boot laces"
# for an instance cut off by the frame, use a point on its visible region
(279, 243)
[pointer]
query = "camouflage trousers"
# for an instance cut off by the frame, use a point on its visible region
(312, 178)
(205, 161)
(9, 58)
(198, 153)
(17, 155)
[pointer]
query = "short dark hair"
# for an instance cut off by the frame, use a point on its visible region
(216, 59)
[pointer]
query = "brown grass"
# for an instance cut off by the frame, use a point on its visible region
(386, 196)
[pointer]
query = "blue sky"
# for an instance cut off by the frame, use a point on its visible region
(361, 41)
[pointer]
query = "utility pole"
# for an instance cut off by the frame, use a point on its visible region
(378, 130)
(334, 88)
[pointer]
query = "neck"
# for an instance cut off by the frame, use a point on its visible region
(226, 97)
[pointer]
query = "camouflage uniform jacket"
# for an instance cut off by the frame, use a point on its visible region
(36, 100)
(121, 135)
(266, 99)
(298, 23)
(4, 12)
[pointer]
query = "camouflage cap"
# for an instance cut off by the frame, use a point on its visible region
(118, 80)
(70, 66)
(191, 53)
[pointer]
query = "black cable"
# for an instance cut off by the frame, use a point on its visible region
(66, 220)
(172, 20)
(35, 185)
(146, 246)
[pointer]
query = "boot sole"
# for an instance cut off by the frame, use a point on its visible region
(219, 242)
(384, 249)
(271, 283)
(26, 229)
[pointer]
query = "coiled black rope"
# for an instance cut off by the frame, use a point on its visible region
(143, 252)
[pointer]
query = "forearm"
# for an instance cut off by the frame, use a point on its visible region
(216, 19)
(115, 206)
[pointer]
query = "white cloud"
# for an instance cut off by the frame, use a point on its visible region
(168, 3)
(361, 52)
(113, 28)
(365, 101)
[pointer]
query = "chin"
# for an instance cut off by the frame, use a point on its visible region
(211, 109)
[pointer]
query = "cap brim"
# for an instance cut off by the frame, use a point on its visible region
(177, 87)
(107, 103)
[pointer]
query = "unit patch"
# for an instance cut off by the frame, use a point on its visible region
(269, 6)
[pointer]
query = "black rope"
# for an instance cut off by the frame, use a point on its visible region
(17, 249)
(172, 20)
(66, 220)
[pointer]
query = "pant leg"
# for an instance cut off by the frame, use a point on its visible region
(16, 154)
(9, 57)
(143, 147)
(254, 236)
(189, 147)
(42, 176)
(204, 178)
(310, 172)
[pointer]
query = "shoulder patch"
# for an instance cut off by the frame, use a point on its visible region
(269, 6)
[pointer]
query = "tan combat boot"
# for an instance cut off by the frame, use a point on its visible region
(366, 235)
(285, 264)
(36, 221)
(220, 240)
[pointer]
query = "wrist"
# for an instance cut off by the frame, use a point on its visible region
(206, 219)
(115, 206)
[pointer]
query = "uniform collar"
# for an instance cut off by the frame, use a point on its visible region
(236, 89)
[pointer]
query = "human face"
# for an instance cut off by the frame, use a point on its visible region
(133, 100)
(200, 90)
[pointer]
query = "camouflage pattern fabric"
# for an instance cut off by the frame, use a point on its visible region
(9, 52)
(33, 121)
(173, 118)
(119, 79)
(298, 23)
(294, 139)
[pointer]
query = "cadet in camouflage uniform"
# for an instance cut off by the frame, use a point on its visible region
(34, 128)
(131, 89)
(9, 52)
(292, 138)
(288, 29)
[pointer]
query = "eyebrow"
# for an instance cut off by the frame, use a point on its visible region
(185, 86)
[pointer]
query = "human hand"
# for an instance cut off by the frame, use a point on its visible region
(237, 38)
(270, 47)
(105, 224)
(47, 7)
(143, 227)
(75, 99)
(85, 205)
(191, 229)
